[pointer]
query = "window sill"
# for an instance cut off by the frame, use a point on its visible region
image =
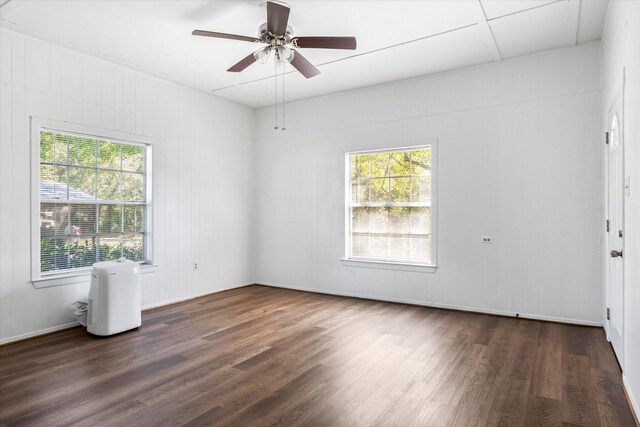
(83, 276)
(388, 265)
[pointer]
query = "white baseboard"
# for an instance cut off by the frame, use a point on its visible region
(320, 291)
(438, 305)
(38, 332)
(148, 307)
(633, 402)
(193, 296)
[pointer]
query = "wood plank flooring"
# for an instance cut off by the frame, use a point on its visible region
(266, 356)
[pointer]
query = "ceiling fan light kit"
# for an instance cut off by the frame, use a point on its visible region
(262, 55)
(280, 43)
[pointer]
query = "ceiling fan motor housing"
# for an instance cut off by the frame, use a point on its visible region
(278, 44)
(274, 39)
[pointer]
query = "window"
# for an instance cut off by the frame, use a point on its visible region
(391, 206)
(93, 200)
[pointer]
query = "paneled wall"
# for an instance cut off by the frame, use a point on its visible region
(519, 159)
(202, 178)
(621, 50)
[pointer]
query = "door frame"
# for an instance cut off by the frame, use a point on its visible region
(618, 90)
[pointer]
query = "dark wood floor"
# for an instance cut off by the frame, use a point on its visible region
(266, 356)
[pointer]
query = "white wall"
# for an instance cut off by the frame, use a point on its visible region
(519, 159)
(201, 165)
(621, 49)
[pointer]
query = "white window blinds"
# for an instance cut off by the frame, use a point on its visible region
(93, 201)
(390, 207)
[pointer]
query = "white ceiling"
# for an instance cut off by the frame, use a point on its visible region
(396, 39)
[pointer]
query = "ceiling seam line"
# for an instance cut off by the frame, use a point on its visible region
(360, 54)
(525, 10)
(493, 37)
(574, 10)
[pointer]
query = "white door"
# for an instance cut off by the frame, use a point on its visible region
(615, 236)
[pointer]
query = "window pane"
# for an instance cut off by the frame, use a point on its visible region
(82, 251)
(420, 220)
(379, 246)
(110, 219)
(61, 178)
(132, 158)
(378, 190)
(360, 166)
(360, 245)
(46, 146)
(47, 175)
(53, 254)
(54, 219)
(354, 168)
(399, 247)
(425, 188)
(60, 147)
(110, 248)
(400, 189)
(399, 220)
(82, 151)
(379, 164)
(415, 189)
(378, 220)
(399, 165)
(82, 184)
(421, 162)
(109, 185)
(109, 155)
(360, 219)
(421, 248)
(362, 190)
(421, 188)
(132, 247)
(83, 219)
(53, 182)
(133, 219)
(133, 187)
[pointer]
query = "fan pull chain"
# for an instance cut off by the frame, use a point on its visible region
(275, 104)
(283, 113)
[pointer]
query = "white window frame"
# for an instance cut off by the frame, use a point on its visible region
(77, 275)
(349, 261)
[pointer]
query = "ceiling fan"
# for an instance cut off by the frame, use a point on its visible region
(280, 42)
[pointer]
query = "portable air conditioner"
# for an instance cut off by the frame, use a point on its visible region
(114, 298)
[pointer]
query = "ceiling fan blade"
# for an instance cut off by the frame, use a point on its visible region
(325, 42)
(225, 36)
(305, 67)
(277, 18)
(244, 63)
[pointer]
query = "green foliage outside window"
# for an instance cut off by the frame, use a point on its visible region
(58, 254)
(391, 205)
(92, 201)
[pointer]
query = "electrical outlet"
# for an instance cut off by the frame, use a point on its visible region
(195, 266)
(486, 239)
